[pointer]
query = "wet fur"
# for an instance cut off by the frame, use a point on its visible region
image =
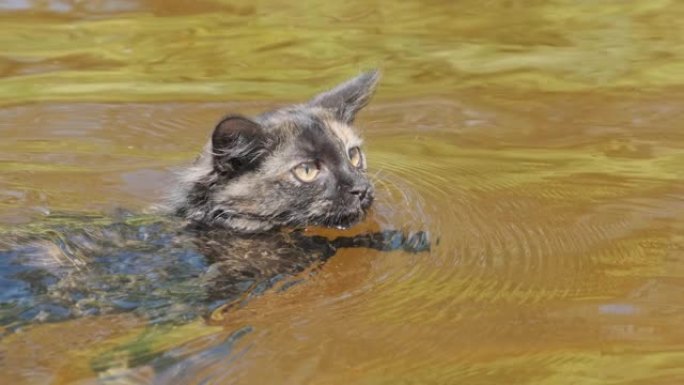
(242, 180)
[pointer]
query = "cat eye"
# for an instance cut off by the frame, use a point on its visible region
(355, 156)
(306, 172)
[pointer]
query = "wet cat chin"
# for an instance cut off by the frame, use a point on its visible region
(349, 223)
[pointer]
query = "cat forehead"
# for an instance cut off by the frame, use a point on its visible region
(327, 138)
(344, 132)
(314, 121)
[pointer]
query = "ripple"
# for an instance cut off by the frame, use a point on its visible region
(502, 239)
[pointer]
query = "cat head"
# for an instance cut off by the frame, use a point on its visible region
(296, 166)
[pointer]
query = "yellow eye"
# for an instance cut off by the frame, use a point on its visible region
(306, 172)
(355, 157)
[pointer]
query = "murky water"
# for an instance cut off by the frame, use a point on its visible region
(540, 143)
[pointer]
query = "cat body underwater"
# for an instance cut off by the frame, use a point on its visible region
(242, 207)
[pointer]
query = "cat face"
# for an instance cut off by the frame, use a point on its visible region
(297, 166)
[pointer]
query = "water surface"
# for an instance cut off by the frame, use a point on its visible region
(541, 142)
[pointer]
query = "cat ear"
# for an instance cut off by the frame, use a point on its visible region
(348, 98)
(238, 145)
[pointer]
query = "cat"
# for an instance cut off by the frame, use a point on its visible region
(296, 166)
(243, 204)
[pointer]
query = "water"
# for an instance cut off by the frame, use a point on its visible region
(539, 142)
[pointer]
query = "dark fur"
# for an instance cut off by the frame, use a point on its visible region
(243, 179)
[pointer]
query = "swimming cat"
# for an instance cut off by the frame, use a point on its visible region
(244, 201)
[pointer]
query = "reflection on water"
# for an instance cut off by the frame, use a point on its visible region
(540, 141)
